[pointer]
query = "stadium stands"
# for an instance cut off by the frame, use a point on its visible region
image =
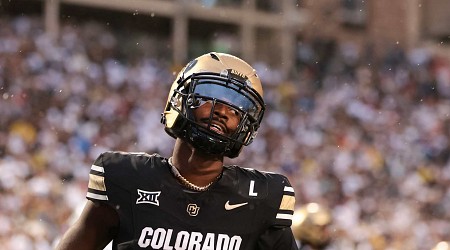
(367, 138)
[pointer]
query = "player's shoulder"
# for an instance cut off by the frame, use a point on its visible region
(263, 185)
(113, 161)
(117, 166)
(271, 178)
(122, 169)
(273, 191)
(119, 158)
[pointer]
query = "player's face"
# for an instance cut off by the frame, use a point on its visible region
(225, 119)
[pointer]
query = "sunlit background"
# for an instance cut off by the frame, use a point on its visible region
(358, 96)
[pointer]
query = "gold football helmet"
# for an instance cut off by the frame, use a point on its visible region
(215, 78)
(309, 225)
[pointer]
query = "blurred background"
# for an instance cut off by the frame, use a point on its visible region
(358, 96)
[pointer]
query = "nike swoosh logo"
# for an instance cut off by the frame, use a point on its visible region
(229, 206)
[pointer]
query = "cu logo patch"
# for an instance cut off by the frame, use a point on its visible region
(192, 209)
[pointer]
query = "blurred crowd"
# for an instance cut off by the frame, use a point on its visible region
(366, 137)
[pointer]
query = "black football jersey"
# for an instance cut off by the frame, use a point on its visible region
(244, 209)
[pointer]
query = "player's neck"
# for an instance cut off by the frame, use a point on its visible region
(196, 167)
(189, 182)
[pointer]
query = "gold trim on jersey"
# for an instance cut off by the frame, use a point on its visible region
(97, 182)
(288, 200)
(96, 185)
(287, 203)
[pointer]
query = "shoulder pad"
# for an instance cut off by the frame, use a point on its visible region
(275, 189)
(111, 165)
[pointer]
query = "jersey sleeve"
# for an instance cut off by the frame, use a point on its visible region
(275, 193)
(285, 201)
(279, 235)
(96, 187)
(114, 174)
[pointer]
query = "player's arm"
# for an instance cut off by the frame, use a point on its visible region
(94, 229)
(279, 235)
(277, 239)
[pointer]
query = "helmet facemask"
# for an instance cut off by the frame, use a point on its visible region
(225, 89)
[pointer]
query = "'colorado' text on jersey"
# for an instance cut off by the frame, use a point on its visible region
(245, 209)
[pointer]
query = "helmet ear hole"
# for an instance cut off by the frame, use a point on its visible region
(175, 102)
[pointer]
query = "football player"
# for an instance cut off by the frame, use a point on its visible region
(191, 200)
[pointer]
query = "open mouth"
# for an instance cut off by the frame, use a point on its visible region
(215, 126)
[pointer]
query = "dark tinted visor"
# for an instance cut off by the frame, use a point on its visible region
(237, 98)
